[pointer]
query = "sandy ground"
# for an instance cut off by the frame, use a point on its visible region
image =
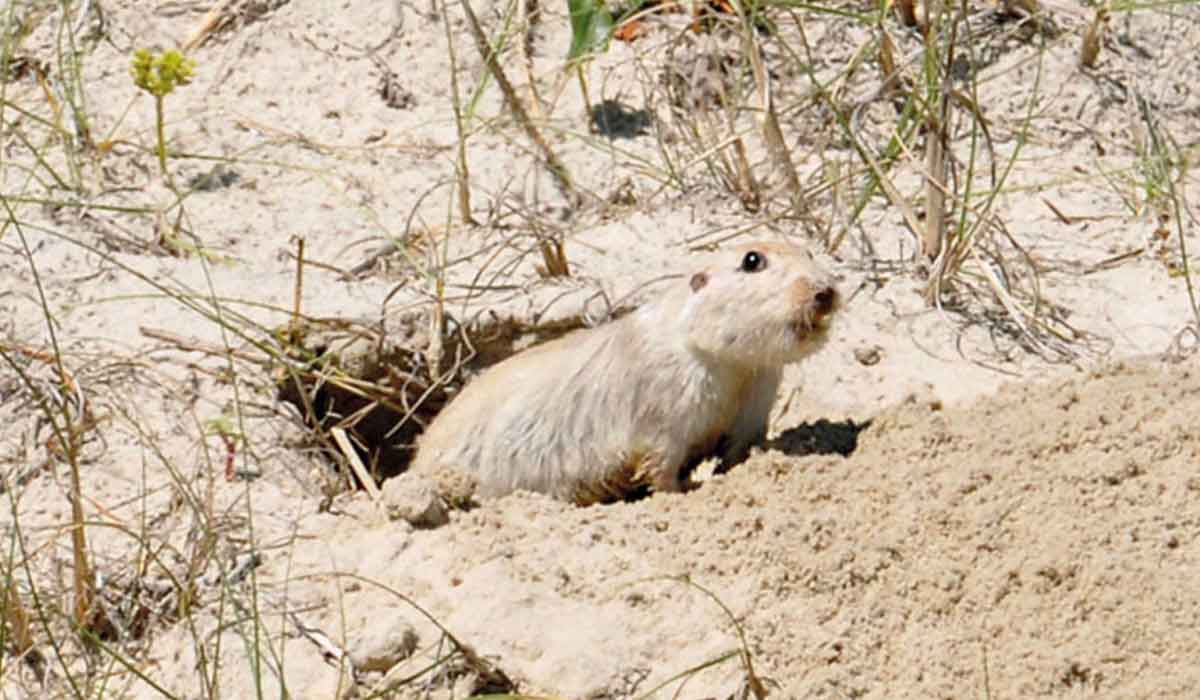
(1018, 514)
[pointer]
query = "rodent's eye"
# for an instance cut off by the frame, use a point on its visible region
(754, 262)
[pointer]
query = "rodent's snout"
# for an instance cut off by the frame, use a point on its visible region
(824, 302)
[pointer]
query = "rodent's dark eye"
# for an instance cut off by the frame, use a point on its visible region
(754, 262)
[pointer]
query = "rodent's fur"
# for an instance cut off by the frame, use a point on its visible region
(602, 412)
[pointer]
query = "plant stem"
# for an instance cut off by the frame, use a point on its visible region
(158, 127)
(583, 88)
(557, 169)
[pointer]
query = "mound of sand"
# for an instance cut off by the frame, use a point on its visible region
(1037, 543)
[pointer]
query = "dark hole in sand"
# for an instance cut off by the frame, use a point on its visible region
(376, 383)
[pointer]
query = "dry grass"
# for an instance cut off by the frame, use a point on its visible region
(804, 137)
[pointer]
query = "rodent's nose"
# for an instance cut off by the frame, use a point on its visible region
(824, 301)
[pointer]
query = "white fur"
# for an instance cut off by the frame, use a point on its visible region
(705, 360)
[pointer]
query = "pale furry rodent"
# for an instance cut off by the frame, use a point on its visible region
(602, 412)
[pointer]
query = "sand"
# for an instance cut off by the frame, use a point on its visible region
(949, 506)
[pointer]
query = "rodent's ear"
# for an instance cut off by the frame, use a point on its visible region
(699, 281)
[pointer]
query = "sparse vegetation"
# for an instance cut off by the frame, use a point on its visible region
(996, 158)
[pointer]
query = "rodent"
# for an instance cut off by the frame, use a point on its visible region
(603, 412)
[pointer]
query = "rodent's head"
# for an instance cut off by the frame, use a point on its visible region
(760, 305)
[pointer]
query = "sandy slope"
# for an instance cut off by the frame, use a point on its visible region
(1037, 543)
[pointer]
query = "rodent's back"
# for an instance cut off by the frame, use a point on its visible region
(550, 419)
